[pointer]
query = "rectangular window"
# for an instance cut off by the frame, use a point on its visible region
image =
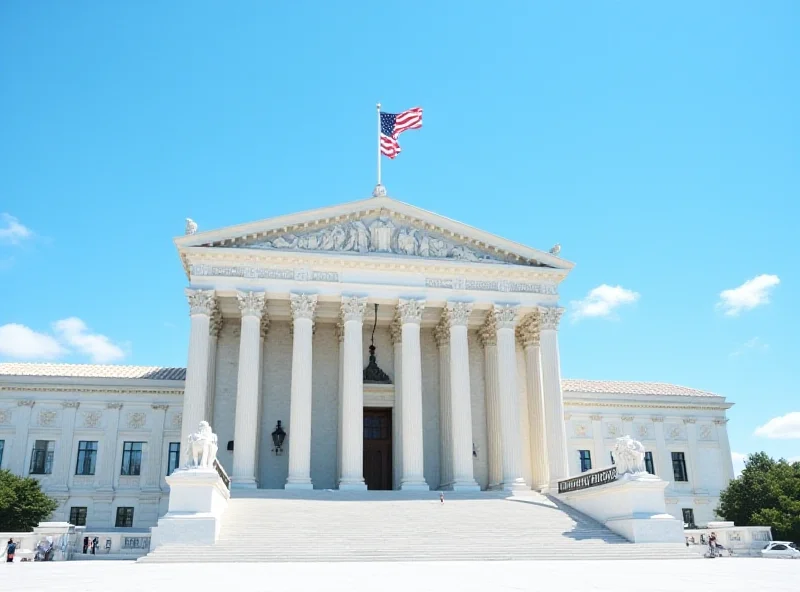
(586, 460)
(87, 458)
(42, 457)
(124, 517)
(679, 466)
(77, 516)
(174, 457)
(2, 447)
(132, 458)
(688, 517)
(648, 463)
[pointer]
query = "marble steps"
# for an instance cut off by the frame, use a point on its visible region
(332, 526)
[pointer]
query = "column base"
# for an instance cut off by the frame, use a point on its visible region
(494, 487)
(243, 483)
(352, 485)
(465, 486)
(306, 485)
(415, 485)
(515, 485)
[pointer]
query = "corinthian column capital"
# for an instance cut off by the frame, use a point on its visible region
(549, 316)
(528, 330)
(458, 313)
(251, 304)
(487, 334)
(304, 306)
(353, 308)
(505, 316)
(410, 310)
(201, 301)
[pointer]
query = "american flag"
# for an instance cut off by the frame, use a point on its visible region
(394, 124)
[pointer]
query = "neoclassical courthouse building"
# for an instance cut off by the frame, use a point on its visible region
(390, 347)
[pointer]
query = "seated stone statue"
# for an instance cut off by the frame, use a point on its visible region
(629, 456)
(202, 450)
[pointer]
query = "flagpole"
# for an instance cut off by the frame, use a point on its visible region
(379, 189)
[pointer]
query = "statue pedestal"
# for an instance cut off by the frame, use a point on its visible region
(197, 499)
(633, 506)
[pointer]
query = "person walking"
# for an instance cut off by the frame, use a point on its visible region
(441, 496)
(11, 549)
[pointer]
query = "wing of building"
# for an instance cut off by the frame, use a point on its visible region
(366, 345)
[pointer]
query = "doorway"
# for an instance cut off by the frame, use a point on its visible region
(378, 448)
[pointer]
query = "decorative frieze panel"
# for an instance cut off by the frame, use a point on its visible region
(47, 418)
(643, 431)
(177, 420)
(136, 421)
(706, 432)
(612, 430)
(582, 429)
(91, 419)
(5, 416)
(674, 431)
(491, 285)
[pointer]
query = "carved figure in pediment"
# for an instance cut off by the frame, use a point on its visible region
(285, 242)
(463, 254)
(311, 242)
(407, 241)
(357, 237)
(380, 232)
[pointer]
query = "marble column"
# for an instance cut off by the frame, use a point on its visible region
(488, 338)
(107, 458)
(63, 462)
(245, 434)
(528, 334)
(154, 467)
(215, 326)
(557, 463)
(460, 398)
(339, 400)
(441, 334)
(725, 451)
(396, 336)
(19, 452)
(303, 307)
(410, 313)
(353, 395)
(505, 317)
(202, 305)
(663, 458)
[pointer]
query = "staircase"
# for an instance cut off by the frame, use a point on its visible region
(276, 525)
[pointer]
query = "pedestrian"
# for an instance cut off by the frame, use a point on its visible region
(441, 496)
(85, 544)
(95, 544)
(10, 550)
(712, 544)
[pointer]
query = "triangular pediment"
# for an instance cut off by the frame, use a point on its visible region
(376, 226)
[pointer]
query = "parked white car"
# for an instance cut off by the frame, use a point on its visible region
(781, 549)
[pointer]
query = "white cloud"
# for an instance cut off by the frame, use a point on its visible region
(738, 462)
(601, 301)
(752, 293)
(76, 334)
(23, 343)
(751, 345)
(785, 427)
(11, 231)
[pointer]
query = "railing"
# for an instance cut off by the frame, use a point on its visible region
(222, 474)
(588, 480)
(136, 543)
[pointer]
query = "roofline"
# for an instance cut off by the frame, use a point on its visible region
(372, 203)
(9, 381)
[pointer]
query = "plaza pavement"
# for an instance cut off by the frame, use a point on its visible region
(728, 574)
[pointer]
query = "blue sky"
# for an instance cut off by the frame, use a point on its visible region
(658, 145)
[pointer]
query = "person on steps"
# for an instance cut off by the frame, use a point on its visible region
(10, 550)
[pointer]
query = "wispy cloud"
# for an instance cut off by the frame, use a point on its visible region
(738, 462)
(70, 336)
(76, 334)
(751, 345)
(12, 231)
(23, 343)
(785, 427)
(754, 292)
(602, 301)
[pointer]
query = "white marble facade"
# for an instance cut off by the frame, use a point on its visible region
(282, 315)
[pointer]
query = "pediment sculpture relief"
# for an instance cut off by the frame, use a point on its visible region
(378, 235)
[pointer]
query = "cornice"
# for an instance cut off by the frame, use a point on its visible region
(642, 405)
(85, 389)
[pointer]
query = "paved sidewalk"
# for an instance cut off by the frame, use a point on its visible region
(730, 575)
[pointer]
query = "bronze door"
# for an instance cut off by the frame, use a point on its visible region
(378, 448)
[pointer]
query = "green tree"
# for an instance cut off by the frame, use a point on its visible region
(23, 504)
(767, 493)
